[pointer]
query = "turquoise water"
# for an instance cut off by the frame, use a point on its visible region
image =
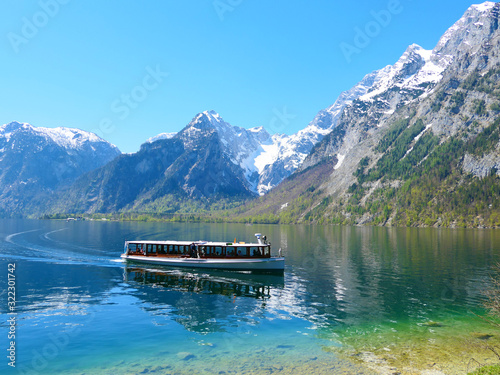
(348, 295)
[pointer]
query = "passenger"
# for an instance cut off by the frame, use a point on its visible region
(193, 250)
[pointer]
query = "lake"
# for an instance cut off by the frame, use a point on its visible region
(352, 300)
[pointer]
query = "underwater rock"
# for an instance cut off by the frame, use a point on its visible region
(432, 324)
(285, 346)
(185, 356)
(481, 336)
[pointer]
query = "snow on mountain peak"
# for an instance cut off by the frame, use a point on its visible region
(213, 116)
(209, 119)
(467, 27)
(414, 70)
(484, 7)
(67, 138)
(256, 129)
(420, 69)
(161, 136)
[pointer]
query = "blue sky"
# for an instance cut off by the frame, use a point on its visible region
(129, 70)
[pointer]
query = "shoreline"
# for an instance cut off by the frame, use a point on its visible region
(209, 218)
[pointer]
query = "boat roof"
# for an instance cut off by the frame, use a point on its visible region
(187, 243)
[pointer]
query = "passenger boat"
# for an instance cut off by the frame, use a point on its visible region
(236, 256)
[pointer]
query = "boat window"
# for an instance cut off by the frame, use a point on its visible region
(242, 251)
(218, 250)
(231, 251)
(254, 252)
(132, 247)
(150, 248)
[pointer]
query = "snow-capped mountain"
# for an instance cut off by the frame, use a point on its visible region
(242, 146)
(411, 79)
(470, 31)
(189, 171)
(210, 159)
(267, 159)
(161, 136)
(391, 155)
(35, 160)
(264, 159)
(66, 138)
(286, 153)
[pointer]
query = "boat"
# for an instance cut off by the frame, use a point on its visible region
(235, 256)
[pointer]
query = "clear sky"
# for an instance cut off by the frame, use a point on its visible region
(129, 70)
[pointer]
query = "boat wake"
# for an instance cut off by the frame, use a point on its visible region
(39, 246)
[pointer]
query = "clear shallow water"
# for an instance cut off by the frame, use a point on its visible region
(349, 296)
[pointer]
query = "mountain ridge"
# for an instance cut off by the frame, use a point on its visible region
(401, 150)
(35, 162)
(361, 154)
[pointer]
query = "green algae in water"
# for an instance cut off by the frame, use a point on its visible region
(487, 370)
(454, 345)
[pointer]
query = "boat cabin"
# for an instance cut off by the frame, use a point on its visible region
(200, 249)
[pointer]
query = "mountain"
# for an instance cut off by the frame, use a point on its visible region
(265, 160)
(36, 161)
(419, 147)
(189, 171)
(285, 153)
(161, 136)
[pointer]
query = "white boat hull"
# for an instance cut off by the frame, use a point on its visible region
(260, 264)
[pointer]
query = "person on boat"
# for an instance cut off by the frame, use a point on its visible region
(193, 250)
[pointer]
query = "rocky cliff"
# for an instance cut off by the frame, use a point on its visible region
(415, 147)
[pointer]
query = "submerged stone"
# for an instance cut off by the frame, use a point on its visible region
(433, 324)
(481, 336)
(185, 356)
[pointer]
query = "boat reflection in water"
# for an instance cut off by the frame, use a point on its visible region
(212, 282)
(203, 302)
